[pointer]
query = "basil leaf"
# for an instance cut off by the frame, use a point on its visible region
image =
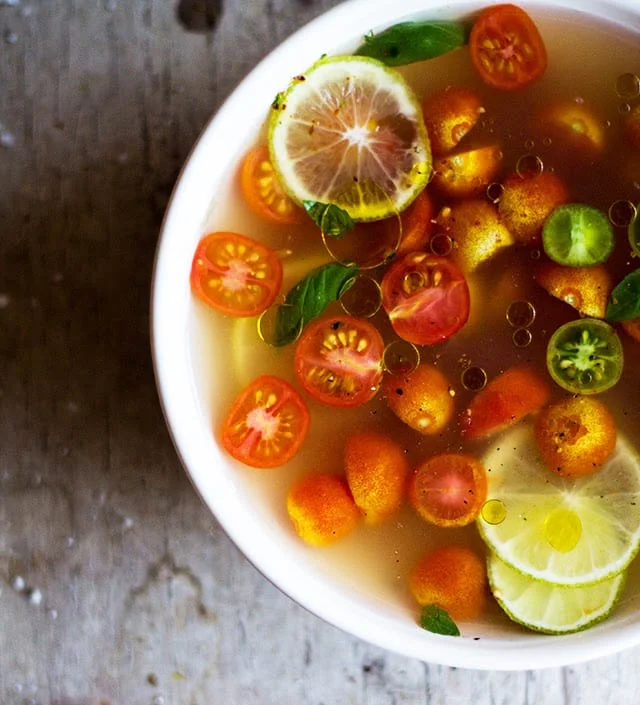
(331, 219)
(408, 42)
(624, 304)
(435, 619)
(309, 298)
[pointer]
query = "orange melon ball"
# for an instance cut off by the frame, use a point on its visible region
(575, 436)
(417, 225)
(452, 577)
(527, 201)
(574, 127)
(449, 115)
(466, 174)
(322, 509)
(587, 289)
(476, 230)
(421, 399)
(631, 126)
(632, 328)
(376, 469)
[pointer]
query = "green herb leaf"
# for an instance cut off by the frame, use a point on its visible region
(624, 304)
(331, 219)
(408, 42)
(309, 298)
(435, 619)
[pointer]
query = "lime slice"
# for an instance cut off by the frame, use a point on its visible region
(350, 132)
(578, 236)
(562, 531)
(552, 609)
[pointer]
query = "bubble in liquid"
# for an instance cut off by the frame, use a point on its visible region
(522, 337)
(627, 86)
(400, 357)
(529, 165)
(362, 298)
(521, 314)
(267, 325)
(441, 244)
(535, 254)
(624, 108)
(473, 379)
(412, 281)
(529, 145)
(622, 213)
(495, 191)
(493, 511)
(562, 529)
(547, 142)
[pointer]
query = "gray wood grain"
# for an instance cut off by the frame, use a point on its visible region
(132, 594)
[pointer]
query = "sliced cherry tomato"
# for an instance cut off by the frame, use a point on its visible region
(263, 192)
(235, 274)
(506, 48)
(448, 489)
(417, 224)
(426, 298)
(267, 423)
(506, 400)
(338, 361)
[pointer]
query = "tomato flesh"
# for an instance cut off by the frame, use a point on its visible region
(235, 274)
(338, 361)
(506, 48)
(263, 192)
(449, 489)
(267, 423)
(426, 298)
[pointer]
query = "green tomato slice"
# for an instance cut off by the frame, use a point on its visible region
(575, 235)
(634, 232)
(585, 356)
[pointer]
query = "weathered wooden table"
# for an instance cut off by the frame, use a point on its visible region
(116, 585)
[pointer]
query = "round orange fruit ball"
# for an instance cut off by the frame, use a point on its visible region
(632, 328)
(417, 225)
(376, 469)
(587, 289)
(575, 127)
(466, 174)
(322, 509)
(449, 115)
(452, 577)
(575, 436)
(421, 399)
(527, 201)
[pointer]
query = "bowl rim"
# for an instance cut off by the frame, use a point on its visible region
(169, 305)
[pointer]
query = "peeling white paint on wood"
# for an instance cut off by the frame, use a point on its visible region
(116, 586)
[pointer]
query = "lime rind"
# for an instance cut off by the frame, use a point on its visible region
(340, 168)
(607, 504)
(552, 609)
(576, 235)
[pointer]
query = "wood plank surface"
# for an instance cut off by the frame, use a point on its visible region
(116, 585)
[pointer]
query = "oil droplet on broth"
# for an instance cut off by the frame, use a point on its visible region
(624, 108)
(473, 379)
(529, 165)
(522, 337)
(494, 511)
(627, 86)
(400, 357)
(521, 314)
(622, 213)
(363, 298)
(267, 325)
(494, 192)
(441, 244)
(562, 529)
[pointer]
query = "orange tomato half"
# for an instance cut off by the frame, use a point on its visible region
(506, 48)
(263, 192)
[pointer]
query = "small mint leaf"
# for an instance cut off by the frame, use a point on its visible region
(435, 619)
(624, 304)
(331, 219)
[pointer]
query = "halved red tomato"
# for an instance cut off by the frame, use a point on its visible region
(235, 274)
(338, 361)
(449, 489)
(267, 423)
(506, 48)
(263, 192)
(426, 298)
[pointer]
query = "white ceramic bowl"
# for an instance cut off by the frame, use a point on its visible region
(263, 535)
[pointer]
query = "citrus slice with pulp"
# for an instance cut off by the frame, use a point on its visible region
(350, 132)
(561, 531)
(552, 609)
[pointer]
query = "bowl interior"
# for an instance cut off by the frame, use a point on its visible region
(197, 381)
